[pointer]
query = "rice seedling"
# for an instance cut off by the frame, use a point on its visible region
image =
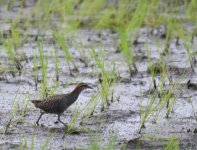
(191, 9)
(22, 4)
(107, 76)
(122, 14)
(45, 145)
(57, 66)
(172, 141)
(130, 31)
(44, 68)
(44, 17)
(12, 112)
(23, 142)
(154, 106)
(159, 68)
(152, 70)
(25, 145)
(2, 72)
(89, 108)
(95, 142)
(112, 143)
(15, 36)
(82, 55)
(21, 108)
(68, 56)
(169, 99)
(173, 144)
(190, 54)
(70, 129)
(108, 80)
(35, 70)
(174, 29)
(10, 44)
(167, 96)
(193, 108)
(126, 50)
(150, 109)
(85, 10)
(10, 5)
(57, 10)
(170, 28)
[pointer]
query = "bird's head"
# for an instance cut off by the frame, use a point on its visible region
(81, 86)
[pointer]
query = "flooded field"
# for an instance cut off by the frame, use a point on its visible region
(143, 77)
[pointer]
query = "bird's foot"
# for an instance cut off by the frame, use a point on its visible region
(37, 124)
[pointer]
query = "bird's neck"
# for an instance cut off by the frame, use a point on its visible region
(71, 98)
(75, 93)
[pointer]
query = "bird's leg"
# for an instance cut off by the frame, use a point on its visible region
(42, 113)
(61, 121)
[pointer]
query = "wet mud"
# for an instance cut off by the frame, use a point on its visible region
(122, 116)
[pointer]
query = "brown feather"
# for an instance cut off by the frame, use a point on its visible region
(59, 103)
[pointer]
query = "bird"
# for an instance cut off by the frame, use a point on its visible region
(57, 104)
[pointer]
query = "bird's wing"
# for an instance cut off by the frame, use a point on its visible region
(48, 103)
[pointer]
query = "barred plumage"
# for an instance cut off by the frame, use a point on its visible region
(57, 104)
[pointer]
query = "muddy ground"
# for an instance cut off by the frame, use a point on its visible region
(122, 117)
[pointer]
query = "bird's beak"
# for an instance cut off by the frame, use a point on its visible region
(89, 87)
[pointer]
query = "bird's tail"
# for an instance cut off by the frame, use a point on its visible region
(36, 102)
